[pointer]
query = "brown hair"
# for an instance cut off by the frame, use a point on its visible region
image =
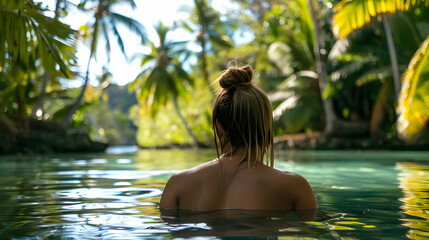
(245, 114)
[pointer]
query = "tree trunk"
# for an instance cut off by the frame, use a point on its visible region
(68, 118)
(328, 107)
(20, 96)
(176, 107)
(57, 9)
(41, 98)
(93, 123)
(204, 63)
(392, 55)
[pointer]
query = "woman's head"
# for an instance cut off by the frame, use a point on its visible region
(244, 114)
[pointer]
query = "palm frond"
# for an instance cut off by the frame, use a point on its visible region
(28, 34)
(377, 74)
(289, 103)
(352, 15)
(280, 95)
(105, 32)
(291, 81)
(119, 40)
(354, 64)
(221, 41)
(280, 54)
(339, 48)
(133, 25)
(413, 104)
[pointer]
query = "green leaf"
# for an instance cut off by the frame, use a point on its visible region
(352, 15)
(60, 114)
(329, 91)
(413, 104)
(280, 54)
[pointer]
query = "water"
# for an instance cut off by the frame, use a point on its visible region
(381, 195)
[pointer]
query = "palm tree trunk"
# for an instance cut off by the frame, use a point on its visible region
(176, 107)
(57, 9)
(40, 100)
(204, 64)
(392, 54)
(328, 107)
(68, 118)
(20, 96)
(93, 123)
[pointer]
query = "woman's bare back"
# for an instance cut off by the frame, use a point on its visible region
(217, 185)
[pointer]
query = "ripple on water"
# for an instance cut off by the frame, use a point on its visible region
(121, 194)
(116, 196)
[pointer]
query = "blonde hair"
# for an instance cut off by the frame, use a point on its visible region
(245, 114)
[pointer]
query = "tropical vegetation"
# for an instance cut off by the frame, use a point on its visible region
(344, 69)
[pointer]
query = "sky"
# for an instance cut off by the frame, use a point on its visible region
(149, 13)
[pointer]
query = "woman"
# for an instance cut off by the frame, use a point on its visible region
(238, 179)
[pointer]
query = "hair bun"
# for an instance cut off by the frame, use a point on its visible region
(236, 76)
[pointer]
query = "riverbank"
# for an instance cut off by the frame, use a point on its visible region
(40, 137)
(316, 141)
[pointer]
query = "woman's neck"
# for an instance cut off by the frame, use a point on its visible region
(234, 156)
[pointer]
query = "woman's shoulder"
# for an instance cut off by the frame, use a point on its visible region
(284, 178)
(197, 171)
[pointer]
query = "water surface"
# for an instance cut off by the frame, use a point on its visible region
(115, 196)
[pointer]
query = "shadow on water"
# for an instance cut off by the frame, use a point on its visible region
(247, 224)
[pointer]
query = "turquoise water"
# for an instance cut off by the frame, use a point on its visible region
(361, 195)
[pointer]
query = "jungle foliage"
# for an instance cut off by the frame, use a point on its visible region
(344, 68)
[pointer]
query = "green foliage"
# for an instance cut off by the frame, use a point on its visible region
(31, 39)
(106, 21)
(174, 105)
(210, 28)
(167, 129)
(163, 76)
(413, 106)
(352, 15)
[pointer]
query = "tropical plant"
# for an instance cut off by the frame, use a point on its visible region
(319, 48)
(413, 104)
(211, 31)
(315, 68)
(352, 15)
(61, 8)
(30, 42)
(105, 21)
(163, 78)
(298, 53)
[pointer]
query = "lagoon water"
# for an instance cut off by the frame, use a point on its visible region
(115, 195)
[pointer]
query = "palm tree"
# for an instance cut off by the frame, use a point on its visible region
(211, 30)
(299, 55)
(328, 107)
(300, 52)
(163, 78)
(292, 52)
(104, 23)
(24, 28)
(352, 15)
(30, 41)
(38, 108)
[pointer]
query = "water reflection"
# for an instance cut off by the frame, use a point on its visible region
(115, 196)
(414, 180)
